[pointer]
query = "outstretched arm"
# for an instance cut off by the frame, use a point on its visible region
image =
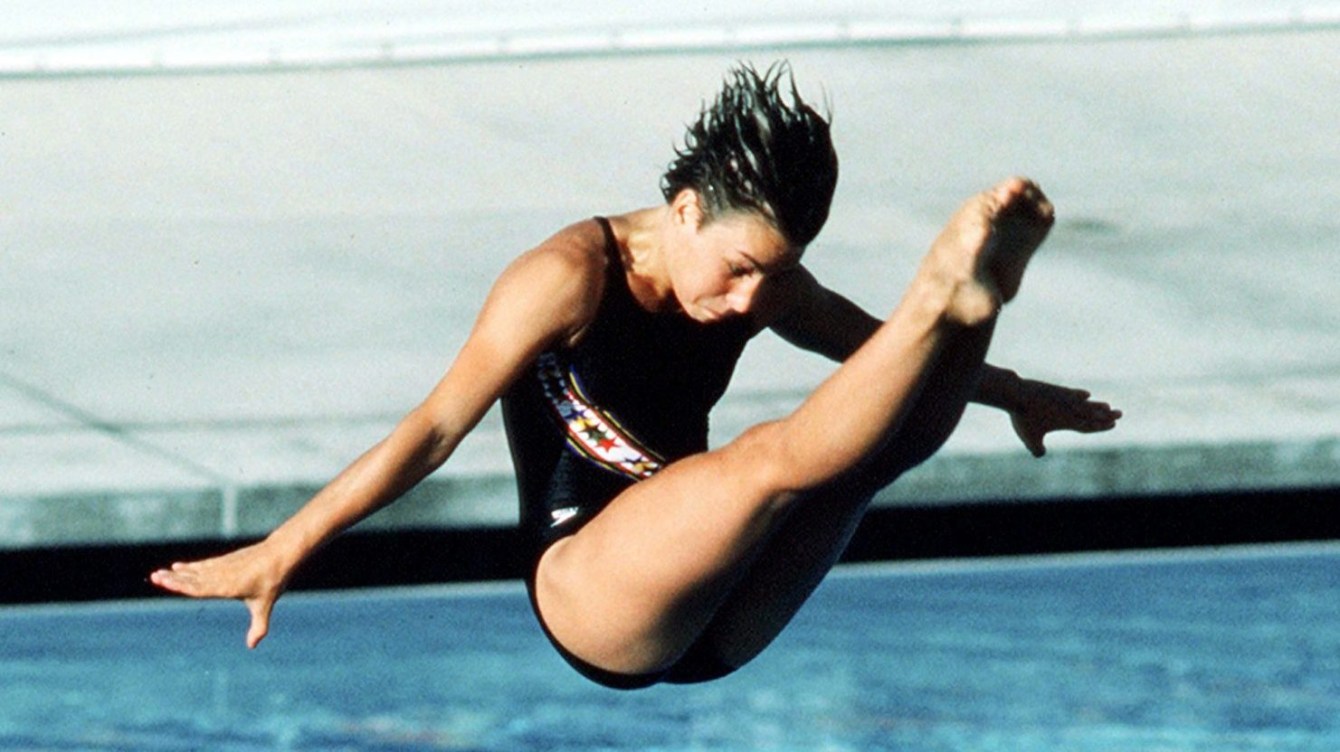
(258, 574)
(542, 297)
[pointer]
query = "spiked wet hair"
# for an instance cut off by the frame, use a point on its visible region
(758, 149)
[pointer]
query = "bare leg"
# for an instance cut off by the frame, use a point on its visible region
(810, 541)
(643, 580)
(798, 556)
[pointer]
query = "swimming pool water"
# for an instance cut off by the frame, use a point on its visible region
(1235, 650)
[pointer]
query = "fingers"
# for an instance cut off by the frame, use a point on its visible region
(247, 574)
(1030, 435)
(203, 580)
(1098, 416)
(260, 620)
(192, 579)
(1077, 411)
(1035, 447)
(181, 579)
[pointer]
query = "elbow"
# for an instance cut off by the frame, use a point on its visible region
(433, 439)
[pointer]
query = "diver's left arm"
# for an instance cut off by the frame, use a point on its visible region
(810, 316)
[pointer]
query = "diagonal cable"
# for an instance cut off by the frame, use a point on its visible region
(115, 431)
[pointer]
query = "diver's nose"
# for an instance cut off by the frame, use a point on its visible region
(742, 295)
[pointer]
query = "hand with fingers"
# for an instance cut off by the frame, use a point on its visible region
(252, 575)
(1041, 408)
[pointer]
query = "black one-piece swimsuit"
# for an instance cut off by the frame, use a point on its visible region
(586, 422)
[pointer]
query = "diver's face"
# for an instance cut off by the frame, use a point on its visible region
(720, 265)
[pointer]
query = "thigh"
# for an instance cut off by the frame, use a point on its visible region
(804, 548)
(640, 583)
(779, 580)
(636, 586)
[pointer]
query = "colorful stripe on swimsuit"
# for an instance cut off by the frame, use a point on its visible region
(590, 431)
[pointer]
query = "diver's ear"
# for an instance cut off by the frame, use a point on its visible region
(687, 209)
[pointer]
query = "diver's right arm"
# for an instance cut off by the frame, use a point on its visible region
(545, 296)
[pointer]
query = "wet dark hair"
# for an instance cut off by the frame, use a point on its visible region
(759, 149)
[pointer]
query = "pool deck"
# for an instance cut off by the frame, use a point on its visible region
(219, 289)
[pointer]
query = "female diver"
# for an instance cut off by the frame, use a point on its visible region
(652, 558)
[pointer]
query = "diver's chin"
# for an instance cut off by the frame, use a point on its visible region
(706, 315)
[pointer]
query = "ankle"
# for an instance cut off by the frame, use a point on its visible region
(951, 303)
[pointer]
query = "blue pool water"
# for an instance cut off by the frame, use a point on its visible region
(1236, 650)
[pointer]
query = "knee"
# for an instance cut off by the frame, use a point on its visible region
(761, 453)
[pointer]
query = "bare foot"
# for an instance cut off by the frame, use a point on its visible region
(1021, 225)
(981, 254)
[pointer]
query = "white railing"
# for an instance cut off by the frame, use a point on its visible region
(349, 48)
